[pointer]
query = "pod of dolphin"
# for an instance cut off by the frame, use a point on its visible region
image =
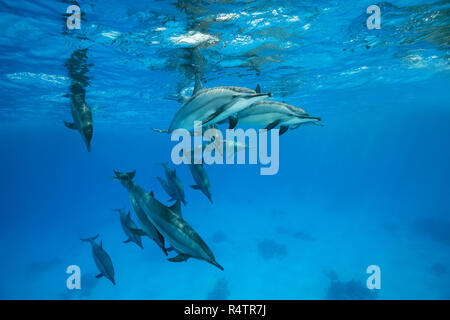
(209, 106)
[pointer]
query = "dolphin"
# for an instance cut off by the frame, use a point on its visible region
(201, 180)
(81, 114)
(213, 105)
(102, 260)
(270, 114)
(138, 201)
(221, 145)
(174, 183)
(169, 222)
(129, 227)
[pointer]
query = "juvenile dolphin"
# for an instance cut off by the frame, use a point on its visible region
(201, 180)
(81, 114)
(174, 183)
(102, 260)
(213, 105)
(129, 227)
(170, 224)
(271, 114)
(138, 201)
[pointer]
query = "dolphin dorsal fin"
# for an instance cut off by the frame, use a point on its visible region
(198, 84)
(258, 88)
(176, 208)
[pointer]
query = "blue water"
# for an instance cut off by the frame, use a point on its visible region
(371, 187)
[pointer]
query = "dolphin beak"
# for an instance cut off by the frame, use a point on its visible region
(214, 263)
(259, 95)
(312, 118)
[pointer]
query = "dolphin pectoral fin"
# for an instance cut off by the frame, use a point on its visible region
(283, 129)
(70, 125)
(126, 241)
(169, 249)
(179, 258)
(139, 232)
(196, 187)
(233, 122)
(272, 125)
(99, 276)
(212, 116)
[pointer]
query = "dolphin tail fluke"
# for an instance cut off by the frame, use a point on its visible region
(70, 125)
(90, 239)
(124, 175)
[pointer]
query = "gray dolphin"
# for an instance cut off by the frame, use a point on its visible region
(129, 227)
(170, 224)
(201, 180)
(271, 114)
(138, 201)
(213, 105)
(174, 183)
(102, 260)
(81, 114)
